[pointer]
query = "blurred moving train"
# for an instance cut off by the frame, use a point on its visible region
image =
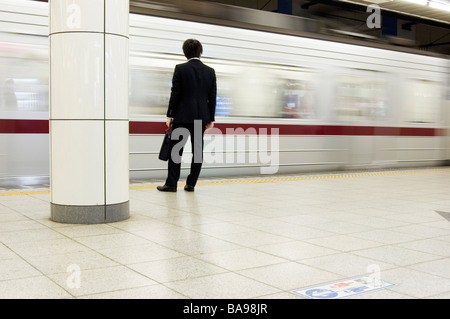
(286, 102)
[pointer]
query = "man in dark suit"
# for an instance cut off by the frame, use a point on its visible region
(191, 111)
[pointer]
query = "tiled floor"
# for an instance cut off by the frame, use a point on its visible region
(259, 237)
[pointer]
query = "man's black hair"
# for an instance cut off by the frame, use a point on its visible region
(192, 48)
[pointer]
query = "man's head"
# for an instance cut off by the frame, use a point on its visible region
(192, 48)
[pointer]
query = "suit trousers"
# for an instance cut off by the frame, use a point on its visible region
(180, 134)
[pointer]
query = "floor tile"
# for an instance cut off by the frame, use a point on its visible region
(296, 250)
(6, 252)
(222, 286)
(386, 236)
(238, 240)
(297, 232)
(381, 294)
(101, 280)
(439, 267)
(396, 255)
(15, 268)
(132, 254)
(347, 264)
(39, 287)
(432, 246)
(423, 231)
(416, 284)
(199, 245)
(47, 247)
(238, 259)
(218, 228)
(87, 230)
(30, 235)
(253, 238)
(340, 227)
(289, 276)
(174, 269)
(148, 292)
(305, 219)
(378, 222)
(282, 295)
(343, 242)
(168, 233)
(19, 225)
(121, 239)
(61, 262)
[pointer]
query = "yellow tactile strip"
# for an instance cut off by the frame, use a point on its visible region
(268, 180)
(24, 193)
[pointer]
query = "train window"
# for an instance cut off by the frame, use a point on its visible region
(299, 99)
(423, 100)
(361, 98)
(243, 90)
(149, 90)
(224, 102)
(268, 91)
(23, 83)
(254, 92)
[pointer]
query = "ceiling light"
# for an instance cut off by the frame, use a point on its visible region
(440, 4)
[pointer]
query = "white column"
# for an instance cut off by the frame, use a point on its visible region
(89, 110)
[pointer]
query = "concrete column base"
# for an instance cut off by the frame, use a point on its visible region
(98, 214)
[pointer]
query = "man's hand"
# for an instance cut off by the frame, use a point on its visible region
(169, 122)
(209, 125)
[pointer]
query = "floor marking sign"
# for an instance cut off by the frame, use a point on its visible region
(444, 214)
(344, 288)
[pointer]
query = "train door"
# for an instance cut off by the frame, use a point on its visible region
(361, 105)
(361, 150)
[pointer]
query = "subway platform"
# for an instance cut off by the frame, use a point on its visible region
(259, 237)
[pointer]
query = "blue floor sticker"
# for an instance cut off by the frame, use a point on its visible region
(344, 288)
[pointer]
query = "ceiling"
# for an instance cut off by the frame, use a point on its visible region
(415, 25)
(413, 9)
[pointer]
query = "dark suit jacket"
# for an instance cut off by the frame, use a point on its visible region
(193, 94)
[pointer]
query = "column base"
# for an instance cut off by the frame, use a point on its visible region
(98, 214)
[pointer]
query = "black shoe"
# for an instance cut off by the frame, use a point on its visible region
(166, 188)
(189, 188)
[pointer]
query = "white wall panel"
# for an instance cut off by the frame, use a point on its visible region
(117, 162)
(77, 15)
(116, 77)
(117, 16)
(77, 162)
(77, 78)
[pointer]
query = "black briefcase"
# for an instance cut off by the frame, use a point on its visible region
(164, 152)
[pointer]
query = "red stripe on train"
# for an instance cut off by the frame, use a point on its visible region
(286, 129)
(25, 126)
(9, 126)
